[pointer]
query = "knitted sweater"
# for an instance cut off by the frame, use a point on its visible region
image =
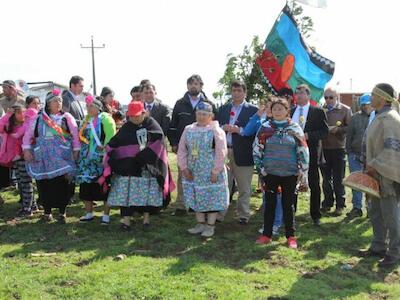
(280, 149)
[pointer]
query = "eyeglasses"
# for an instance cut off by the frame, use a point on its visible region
(329, 97)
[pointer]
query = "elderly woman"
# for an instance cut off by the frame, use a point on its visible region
(97, 130)
(137, 159)
(201, 157)
(51, 147)
(281, 157)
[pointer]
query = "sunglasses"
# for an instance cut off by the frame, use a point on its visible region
(329, 97)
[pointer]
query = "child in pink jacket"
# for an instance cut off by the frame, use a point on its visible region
(12, 128)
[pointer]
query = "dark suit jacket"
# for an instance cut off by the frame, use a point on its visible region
(73, 107)
(162, 114)
(242, 146)
(317, 129)
(183, 114)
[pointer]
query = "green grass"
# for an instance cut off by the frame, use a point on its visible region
(168, 263)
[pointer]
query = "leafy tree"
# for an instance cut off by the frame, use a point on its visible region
(244, 67)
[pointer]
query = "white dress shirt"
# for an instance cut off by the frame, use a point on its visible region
(296, 115)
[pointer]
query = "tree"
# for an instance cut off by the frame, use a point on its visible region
(244, 67)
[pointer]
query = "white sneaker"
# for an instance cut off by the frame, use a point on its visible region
(261, 230)
(208, 231)
(199, 228)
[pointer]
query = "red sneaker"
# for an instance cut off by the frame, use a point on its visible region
(292, 242)
(263, 240)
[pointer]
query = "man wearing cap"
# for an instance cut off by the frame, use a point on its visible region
(338, 117)
(71, 101)
(155, 108)
(10, 96)
(233, 118)
(383, 164)
(355, 132)
(183, 114)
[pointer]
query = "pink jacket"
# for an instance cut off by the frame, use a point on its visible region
(10, 144)
(220, 147)
(73, 128)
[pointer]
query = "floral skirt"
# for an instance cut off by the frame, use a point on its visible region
(129, 191)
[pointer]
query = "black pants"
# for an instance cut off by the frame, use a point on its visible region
(5, 178)
(127, 211)
(54, 193)
(313, 183)
(61, 210)
(333, 173)
(288, 186)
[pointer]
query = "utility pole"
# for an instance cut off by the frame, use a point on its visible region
(93, 66)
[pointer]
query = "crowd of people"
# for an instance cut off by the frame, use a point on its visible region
(120, 158)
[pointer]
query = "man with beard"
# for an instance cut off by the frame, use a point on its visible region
(183, 114)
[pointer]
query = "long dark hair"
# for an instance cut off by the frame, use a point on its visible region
(12, 122)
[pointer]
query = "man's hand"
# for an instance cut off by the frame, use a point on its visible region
(76, 154)
(187, 174)
(227, 128)
(28, 155)
(235, 129)
(261, 110)
(175, 149)
(371, 171)
(214, 177)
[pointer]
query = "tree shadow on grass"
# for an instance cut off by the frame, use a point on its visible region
(335, 236)
(344, 280)
(232, 246)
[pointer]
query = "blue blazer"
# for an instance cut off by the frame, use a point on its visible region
(242, 146)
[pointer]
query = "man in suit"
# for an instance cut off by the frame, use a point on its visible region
(71, 101)
(233, 118)
(183, 114)
(155, 108)
(313, 121)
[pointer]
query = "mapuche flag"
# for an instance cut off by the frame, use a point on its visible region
(287, 61)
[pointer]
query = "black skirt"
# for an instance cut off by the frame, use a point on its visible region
(92, 192)
(55, 192)
(5, 180)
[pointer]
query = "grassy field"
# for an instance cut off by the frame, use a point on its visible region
(83, 261)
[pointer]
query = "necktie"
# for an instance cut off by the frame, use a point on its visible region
(301, 118)
(148, 107)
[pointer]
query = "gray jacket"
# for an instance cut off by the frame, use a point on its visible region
(162, 114)
(74, 107)
(355, 132)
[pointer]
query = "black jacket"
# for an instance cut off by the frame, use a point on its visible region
(183, 114)
(317, 129)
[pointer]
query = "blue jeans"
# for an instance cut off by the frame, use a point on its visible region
(355, 165)
(278, 210)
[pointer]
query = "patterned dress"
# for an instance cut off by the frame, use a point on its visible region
(52, 154)
(199, 147)
(137, 163)
(53, 165)
(90, 163)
